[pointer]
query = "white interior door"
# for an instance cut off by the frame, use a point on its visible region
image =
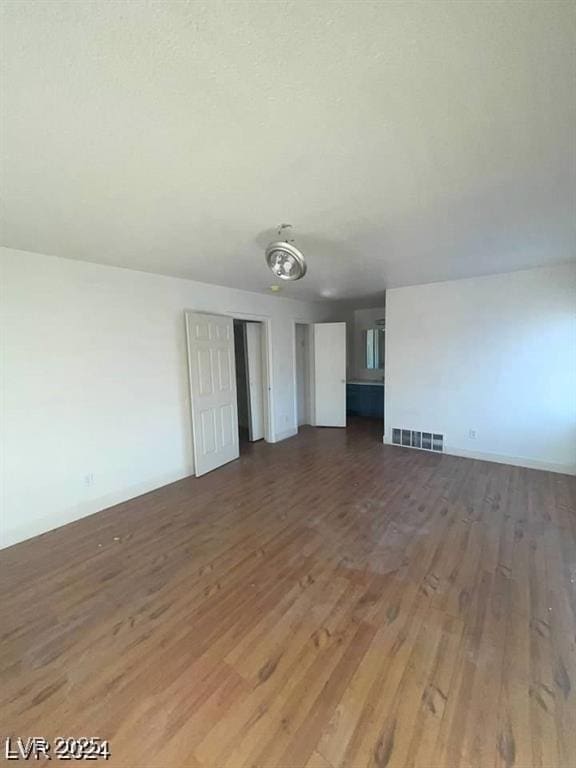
(212, 390)
(330, 374)
(253, 338)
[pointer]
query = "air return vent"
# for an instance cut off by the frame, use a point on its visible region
(410, 438)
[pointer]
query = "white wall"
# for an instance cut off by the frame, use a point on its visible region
(492, 354)
(94, 383)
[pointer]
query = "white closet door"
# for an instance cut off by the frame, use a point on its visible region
(212, 390)
(330, 374)
(253, 336)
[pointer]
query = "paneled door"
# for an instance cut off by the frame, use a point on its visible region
(212, 390)
(330, 374)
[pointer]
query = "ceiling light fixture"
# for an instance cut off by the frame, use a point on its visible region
(283, 258)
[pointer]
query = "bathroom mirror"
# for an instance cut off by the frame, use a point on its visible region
(374, 348)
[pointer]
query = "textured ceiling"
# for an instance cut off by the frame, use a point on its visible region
(406, 142)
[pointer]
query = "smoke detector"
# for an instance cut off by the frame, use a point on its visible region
(283, 258)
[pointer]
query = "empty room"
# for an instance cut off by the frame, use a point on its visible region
(288, 383)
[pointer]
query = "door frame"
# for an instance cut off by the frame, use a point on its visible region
(266, 322)
(260, 349)
(310, 403)
(314, 326)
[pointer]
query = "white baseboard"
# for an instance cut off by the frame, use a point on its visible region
(515, 461)
(10, 536)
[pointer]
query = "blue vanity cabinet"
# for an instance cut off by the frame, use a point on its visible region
(365, 399)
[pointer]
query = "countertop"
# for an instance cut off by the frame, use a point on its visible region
(366, 382)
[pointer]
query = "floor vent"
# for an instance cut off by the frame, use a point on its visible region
(411, 438)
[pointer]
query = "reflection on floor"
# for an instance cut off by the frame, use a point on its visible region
(324, 601)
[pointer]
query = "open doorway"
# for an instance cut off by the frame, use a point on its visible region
(303, 383)
(250, 392)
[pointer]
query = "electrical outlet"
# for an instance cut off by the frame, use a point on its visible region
(89, 480)
(472, 434)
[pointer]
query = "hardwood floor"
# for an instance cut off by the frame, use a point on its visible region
(327, 601)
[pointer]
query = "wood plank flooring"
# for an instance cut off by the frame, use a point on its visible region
(327, 601)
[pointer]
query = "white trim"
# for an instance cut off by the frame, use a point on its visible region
(54, 520)
(514, 461)
(266, 320)
(295, 373)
